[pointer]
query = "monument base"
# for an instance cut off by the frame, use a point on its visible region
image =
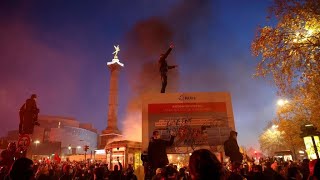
(109, 130)
(108, 135)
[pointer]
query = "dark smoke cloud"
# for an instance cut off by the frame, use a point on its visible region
(146, 41)
(151, 37)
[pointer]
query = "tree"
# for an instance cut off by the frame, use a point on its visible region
(290, 50)
(291, 135)
(271, 140)
(303, 107)
(290, 53)
(285, 135)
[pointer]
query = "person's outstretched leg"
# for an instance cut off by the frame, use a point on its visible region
(164, 83)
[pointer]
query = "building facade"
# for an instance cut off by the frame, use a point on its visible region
(65, 136)
(72, 134)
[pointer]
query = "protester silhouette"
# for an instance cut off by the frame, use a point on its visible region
(28, 115)
(164, 67)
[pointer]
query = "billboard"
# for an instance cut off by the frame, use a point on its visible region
(199, 120)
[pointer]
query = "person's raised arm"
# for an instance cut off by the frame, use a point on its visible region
(170, 142)
(120, 165)
(171, 67)
(168, 51)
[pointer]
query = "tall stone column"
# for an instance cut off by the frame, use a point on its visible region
(112, 130)
(112, 120)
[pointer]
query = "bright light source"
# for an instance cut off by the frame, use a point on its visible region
(190, 154)
(36, 141)
(100, 151)
(117, 155)
(69, 147)
(282, 102)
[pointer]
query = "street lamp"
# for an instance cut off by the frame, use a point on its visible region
(36, 149)
(37, 142)
(69, 147)
(282, 102)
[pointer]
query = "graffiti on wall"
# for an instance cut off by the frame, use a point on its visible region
(191, 132)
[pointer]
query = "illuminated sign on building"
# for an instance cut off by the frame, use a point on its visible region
(309, 146)
(199, 120)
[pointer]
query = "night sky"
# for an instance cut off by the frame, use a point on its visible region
(59, 50)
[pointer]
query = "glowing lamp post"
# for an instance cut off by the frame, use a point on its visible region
(37, 142)
(310, 137)
(69, 147)
(282, 104)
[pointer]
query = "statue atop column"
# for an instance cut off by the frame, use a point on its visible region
(115, 57)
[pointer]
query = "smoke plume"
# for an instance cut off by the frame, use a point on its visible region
(146, 41)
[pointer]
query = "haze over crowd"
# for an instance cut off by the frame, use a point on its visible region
(59, 51)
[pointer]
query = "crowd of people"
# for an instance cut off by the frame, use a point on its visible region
(203, 165)
(26, 169)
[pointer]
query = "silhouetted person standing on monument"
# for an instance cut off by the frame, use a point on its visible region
(157, 151)
(28, 115)
(164, 67)
(231, 148)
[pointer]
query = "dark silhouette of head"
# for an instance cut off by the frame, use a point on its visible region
(233, 134)
(293, 173)
(204, 165)
(182, 171)
(156, 135)
(98, 173)
(22, 169)
(33, 96)
(116, 168)
(268, 164)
